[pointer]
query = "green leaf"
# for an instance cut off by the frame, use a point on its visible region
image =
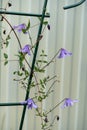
(42, 83)
(42, 61)
(5, 56)
(6, 62)
(8, 37)
(39, 98)
(19, 73)
(43, 55)
(21, 59)
(14, 72)
(27, 28)
(26, 72)
(44, 22)
(7, 40)
(39, 70)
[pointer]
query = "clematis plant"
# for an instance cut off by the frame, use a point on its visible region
(26, 74)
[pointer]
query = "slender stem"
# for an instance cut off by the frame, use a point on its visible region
(55, 106)
(12, 30)
(51, 60)
(33, 63)
(51, 87)
(51, 124)
(9, 60)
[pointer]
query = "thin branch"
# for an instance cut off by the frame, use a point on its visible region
(56, 106)
(50, 60)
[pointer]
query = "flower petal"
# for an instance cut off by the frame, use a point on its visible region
(69, 102)
(26, 49)
(63, 53)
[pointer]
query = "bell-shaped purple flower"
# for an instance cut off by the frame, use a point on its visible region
(63, 53)
(30, 104)
(20, 27)
(69, 102)
(26, 49)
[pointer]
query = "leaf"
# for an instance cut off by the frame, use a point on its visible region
(5, 56)
(42, 61)
(43, 55)
(6, 62)
(39, 70)
(39, 98)
(44, 22)
(19, 73)
(27, 28)
(21, 57)
(41, 92)
(7, 40)
(7, 43)
(42, 83)
(14, 72)
(8, 37)
(26, 73)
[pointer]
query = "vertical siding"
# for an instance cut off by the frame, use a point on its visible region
(68, 30)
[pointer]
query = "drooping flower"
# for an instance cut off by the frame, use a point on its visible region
(26, 49)
(69, 102)
(30, 103)
(20, 27)
(63, 52)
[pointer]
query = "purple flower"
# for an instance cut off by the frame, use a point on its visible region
(69, 102)
(63, 53)
(30, 104)
(19, 27)
(26, 49)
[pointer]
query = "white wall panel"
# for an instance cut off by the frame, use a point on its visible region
(68, 30)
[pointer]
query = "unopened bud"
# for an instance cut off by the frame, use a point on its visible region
(57, 118)
(46, 119)
(9, 4)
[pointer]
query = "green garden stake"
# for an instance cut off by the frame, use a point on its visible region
(33, 63)
(22, 14)
(74, 5)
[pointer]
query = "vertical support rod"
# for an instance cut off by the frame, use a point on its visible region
(33, 63)
(0, 46)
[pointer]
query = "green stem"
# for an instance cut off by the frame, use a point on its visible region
(56, 106)
(33, 63)
(50, 60)
(12, 30)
